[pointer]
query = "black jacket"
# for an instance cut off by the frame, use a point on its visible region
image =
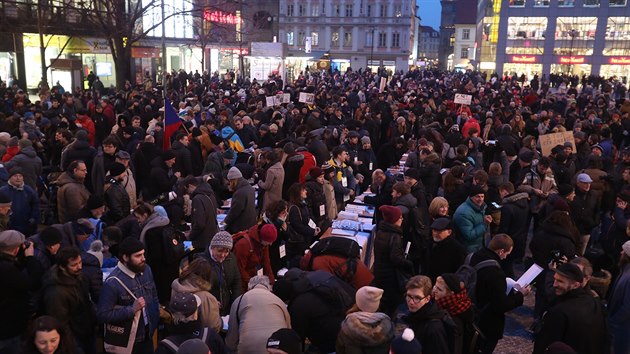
(315, 319)
(389, 260)
(182, 332)
(160, 181)
(117, 202)
(298, 220)
(514, 219)
(316, 199)
(551, 237)
(242, 214)
(429, 329)
(491, 299)
(183, 159)
(443, 257)
(585, 209)
(577, 319)
(203, 216)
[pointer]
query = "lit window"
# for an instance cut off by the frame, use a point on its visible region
(290, 38)
(334, 39)
(314, 38)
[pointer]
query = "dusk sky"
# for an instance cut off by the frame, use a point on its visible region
(429, 12)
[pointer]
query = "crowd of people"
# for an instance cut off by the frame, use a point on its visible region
(205, 224)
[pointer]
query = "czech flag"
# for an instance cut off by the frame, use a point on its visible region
(171, 124)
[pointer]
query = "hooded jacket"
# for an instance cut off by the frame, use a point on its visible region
(209, 307)
(30, 164)
(242, 214)
(72, 196)
(365, 332)
(226, 280)
(469, 224)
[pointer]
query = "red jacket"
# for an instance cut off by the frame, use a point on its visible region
(251, 255)
(309, 162)
(87, 124)
(470, 123)
(336, 264)
(11, 151)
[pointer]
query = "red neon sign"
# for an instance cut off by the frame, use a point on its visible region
(572, 60)
(619, 60)
(524, 59)
(221, 17)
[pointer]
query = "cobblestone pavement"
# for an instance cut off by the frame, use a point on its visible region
(517, 339)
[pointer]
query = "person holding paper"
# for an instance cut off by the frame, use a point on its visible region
(492, 301)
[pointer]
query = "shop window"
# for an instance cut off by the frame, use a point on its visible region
(575, 35)
(615, 3)
(334, 39)
(617, 36)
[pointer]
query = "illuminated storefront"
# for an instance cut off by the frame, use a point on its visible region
(529, 65)
(617, 67)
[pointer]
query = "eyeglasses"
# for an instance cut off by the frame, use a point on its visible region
(415, 299)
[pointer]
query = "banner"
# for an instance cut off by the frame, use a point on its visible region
(549, 141)
(463, 98)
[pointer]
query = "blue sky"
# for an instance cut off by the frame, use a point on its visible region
(429, 12)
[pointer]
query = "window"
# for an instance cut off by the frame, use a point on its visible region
(178, 23)
(398, 10)
(290, 38)
(383, 10)
(396, 40)
(617, 36)
(301, 38)
(324, 7)
(369, 39)
(615, 3)
(315, 10)
(575, 35)
(382, 39)
(464, 53)
(465, 33)
(349, 10)
(566, 3)
(337, 10)
(526, 35)
(314, 38)
(591, 3)
(541, 3)
(290, 9)
(368, 11)
(517, 3)
(347, 39)
(334, 39)
(301, 10)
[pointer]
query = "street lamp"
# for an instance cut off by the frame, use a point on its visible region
(372, 50)
(572, 33)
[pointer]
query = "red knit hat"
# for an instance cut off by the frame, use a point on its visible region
(391, 214)
(268, 233)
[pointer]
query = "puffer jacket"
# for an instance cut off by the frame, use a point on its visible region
(72, 196)
(365, 333)
(30, 164)
(469, 224)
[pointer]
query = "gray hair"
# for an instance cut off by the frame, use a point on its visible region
(259, 280)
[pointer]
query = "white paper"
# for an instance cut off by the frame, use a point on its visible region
(407, 248)
(270, 101)
(322, 210)
(226, 321)
(509, 282)
(344, 181)
(371, 166)
(529, 275)
(340, 232)
(312, 224)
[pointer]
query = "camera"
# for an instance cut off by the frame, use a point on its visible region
(27, 244)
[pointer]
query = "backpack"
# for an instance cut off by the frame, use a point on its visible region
(468, 274)
(453, 333)
(173, 245)
(330, 288)
(174, 347)
(96, 234)
(338, 246)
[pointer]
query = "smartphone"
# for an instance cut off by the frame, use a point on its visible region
(187, 246)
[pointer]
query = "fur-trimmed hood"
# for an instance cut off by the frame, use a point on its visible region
(368, 329)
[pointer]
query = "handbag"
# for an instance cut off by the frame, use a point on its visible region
(119, 337)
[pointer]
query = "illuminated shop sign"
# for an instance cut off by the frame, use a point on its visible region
(524, 59)
(572, 60)
(221, 17)
(619, 60)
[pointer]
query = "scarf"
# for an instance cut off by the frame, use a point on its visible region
(456, 303)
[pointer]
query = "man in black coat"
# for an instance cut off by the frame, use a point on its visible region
(183, 158)
(445, 254)
(576, 318)
(116, 197)
(203, 216)
(585, 208)
(514, 222)
(162, 176)
(492, 301)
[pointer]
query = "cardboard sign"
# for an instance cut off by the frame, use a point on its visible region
(463, 98)
(308, 98)
(286, 98)
(270, 101)
(549, 141)
(381, 86)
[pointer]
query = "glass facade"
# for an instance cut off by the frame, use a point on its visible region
(526, 35)
(617, 36)
(575, 35)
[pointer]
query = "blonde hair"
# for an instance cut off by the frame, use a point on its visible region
(436, 204)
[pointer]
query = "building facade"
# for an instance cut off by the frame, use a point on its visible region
(577, 37)
(465, 34)
(447, 31)
(349, 34)
(428, 46)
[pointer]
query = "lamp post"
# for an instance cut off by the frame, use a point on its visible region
(572, 33)
(372, 50)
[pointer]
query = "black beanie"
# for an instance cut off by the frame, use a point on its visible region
(50, 236)
(129, 246)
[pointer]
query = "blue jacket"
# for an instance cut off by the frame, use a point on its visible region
(25, 208)
(115, 304)
(469, 224)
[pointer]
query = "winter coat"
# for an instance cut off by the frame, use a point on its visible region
(101, 165)
(78, 150)
(315, 318)
(585, 209)
(209, 308)
(533, 180)
(87, 124)
(331, 200)
(428, 326)
(551, 237)
(619, 310)
(365, 333)
(242, 214)
(117, 202)
(442, 257)
(292, 167)
(184, 331)
(214, 165)
(72, 196)
(251, 255)
(309, 162)
(469, 224)
(338, 265)
(67, 299)
(161, 180)
(577, 319)
(389, 261)
(298, 222)
(226, 280)
(153, 236)
(272, 185)
(430, 175)
(514, 219)
(17, 281)
(405, 203)
(254, 316)
(183, 161)
(203, 216)
(316, 201)
(492, 301)
(30, 164)
(24, 208)
(319, 149)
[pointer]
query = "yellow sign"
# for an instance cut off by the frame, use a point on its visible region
(549, 141)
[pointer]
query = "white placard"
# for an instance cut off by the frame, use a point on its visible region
(381, 86)
(463, 98)
(286, 98)
(271, 101)
(529, 275)
(307, 98)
